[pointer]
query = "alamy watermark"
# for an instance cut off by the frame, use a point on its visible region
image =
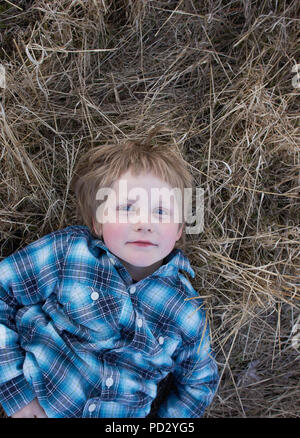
(296, 334)
(2, 76)
(296, 78)
(166, 205)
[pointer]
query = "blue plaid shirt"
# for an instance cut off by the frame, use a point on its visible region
(76, 333)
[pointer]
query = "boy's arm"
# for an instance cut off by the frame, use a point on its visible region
(196, 379)
(26, 278)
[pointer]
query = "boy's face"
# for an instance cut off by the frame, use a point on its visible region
(140, 215)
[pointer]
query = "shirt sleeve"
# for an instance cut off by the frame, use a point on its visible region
(196, 378)
(26, 278)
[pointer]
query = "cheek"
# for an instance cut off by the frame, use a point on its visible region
(114, 234)
(169, 233)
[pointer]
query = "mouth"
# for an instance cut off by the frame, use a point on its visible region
(142, 243)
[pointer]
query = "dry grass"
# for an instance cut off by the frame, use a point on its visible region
(219, 76)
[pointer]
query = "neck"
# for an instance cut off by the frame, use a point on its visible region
(140, 272)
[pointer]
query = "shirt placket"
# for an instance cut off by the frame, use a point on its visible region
(128, 318)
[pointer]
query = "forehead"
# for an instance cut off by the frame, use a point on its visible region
(142, 180)
(145, 187)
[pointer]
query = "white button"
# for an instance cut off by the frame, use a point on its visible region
(139, 322)
(94, 296)
(161, 340)
(109, 382)
(132, 289)
(112, 260)
(92, 407)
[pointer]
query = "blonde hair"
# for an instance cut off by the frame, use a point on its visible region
(101, 166)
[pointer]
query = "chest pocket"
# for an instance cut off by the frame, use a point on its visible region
(165, 337)
(95, 308)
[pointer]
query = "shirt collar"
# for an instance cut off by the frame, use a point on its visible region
(174, 262)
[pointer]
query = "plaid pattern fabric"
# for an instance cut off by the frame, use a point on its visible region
(78, 334)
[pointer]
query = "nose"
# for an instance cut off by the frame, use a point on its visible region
(143, 226)
(143, 223)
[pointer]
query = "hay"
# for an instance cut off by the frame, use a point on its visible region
(219, 76)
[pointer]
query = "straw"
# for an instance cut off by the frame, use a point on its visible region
(222, 78)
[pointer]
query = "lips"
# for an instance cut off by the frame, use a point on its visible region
(142, 243)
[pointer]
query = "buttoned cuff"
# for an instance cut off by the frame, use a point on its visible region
(15, 394)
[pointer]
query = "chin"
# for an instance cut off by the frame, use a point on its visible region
(143, 264)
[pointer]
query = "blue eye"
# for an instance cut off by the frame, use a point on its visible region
(124, 207)
(127, 207)
(163, 211)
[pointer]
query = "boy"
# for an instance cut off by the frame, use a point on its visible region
(93, 317)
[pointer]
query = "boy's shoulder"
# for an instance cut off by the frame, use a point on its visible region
(177, 300)
(189, 294)
(194, 317)
(180, 264)
(190, 314)
(178, 268)
(72, 230)
(56, 240)
(69, 232)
